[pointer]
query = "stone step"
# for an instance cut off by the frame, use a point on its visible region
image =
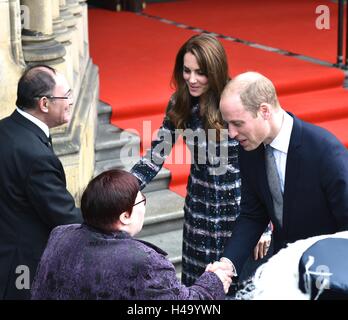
(160, 182)
(164, 212)
(104, 112)
(108, 164)
(107, 130)
(116, 145)
(171, 242)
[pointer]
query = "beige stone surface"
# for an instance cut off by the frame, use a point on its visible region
(10, 68)
(40, 15)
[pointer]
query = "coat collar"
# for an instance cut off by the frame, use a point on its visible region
(43, 126)
(24, 122)
(293, 163)
(122, 235)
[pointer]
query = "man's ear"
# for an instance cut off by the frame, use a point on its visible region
(265, 110)
(125, 218)
(43, 104)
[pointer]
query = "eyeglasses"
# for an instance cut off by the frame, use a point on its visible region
(68, 95)
(53, 97)
(143, 200)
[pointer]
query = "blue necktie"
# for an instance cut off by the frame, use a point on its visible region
(274, 184)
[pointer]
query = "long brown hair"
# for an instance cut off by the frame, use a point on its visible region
(212, 60)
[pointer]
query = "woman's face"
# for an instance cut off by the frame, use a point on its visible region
(138, 214)
(196, 81)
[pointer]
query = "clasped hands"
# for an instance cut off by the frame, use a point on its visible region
(224, 269)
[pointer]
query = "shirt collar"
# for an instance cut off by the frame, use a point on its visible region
(282, 140)
(43, 126)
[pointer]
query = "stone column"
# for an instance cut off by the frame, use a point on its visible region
(63, 35)
(84, 6)
(69, 21)
(16, 30)
(10, 55)
(40, 15)
(39, 45)
(76, 9)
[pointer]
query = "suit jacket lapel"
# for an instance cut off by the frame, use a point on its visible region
(263, 176)
(293, 163)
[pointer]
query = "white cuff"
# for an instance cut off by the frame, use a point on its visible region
(234, 270)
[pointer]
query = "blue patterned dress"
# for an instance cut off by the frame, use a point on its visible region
(212, 201)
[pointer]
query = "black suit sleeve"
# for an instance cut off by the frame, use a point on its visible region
(46, 190)
(334, 173)
(250, 225)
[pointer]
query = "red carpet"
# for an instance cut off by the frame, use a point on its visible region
(318, 106)
(287, 25)
(136, 66)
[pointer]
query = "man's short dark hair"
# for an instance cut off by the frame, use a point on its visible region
(107, 196)
(36, 81)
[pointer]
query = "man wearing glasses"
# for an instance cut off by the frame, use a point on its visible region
(33, 194)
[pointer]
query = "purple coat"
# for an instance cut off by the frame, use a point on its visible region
(81, 262)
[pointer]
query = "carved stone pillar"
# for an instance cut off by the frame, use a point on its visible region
(77, 10)
(11, 61)
(39, 45)
(63, 35)
(40, 15)
(69, 21)
(84, 6)
(16, 30)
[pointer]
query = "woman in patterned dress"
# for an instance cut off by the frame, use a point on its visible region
(213, 189)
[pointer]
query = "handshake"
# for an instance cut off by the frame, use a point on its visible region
(225, 270)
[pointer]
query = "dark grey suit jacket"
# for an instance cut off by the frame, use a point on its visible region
(33, 200)
(315, 192)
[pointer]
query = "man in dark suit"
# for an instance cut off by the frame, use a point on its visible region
(310, 170)
(33, 194)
